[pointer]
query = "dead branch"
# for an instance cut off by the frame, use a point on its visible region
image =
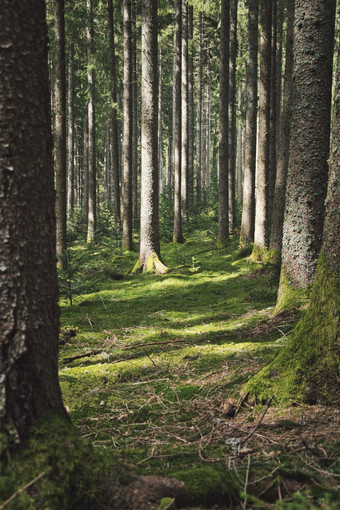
(256, 426)
(22, 489)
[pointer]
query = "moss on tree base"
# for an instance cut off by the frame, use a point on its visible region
(308, 368)
(290, 297)
(152, 264)
(265, 256)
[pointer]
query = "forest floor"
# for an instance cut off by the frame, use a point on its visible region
(152, 369)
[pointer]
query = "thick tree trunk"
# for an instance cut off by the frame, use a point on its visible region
(114, 123)
(184, 114)
(127, 137)
(309, 146)
(282, 162)
(60, 128)
(178, 235)
(29, 314)
(232, 116)
(70, 134)
(261, 207)
(92, 178)
(223, 209)
(248, 209)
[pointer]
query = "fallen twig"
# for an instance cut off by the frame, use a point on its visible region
(256, 426)
(22, 489)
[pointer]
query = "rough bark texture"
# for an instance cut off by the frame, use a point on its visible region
(223, 220)
(190, 107)
(282, 162)
(272, 134)
(261, 207)
(248, 210)
(127, 137)
(92, 184)
(309, 144)
(178, 234)
(114, 124)
(232, 115)
(134, 91)
(60, 127)
(185, 111)
(199, 112)
(70, 134)
(149, 225)
(28, 284)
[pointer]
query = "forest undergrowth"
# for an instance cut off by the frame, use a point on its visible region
(152, 369)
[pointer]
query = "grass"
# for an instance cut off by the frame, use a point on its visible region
(156, 358)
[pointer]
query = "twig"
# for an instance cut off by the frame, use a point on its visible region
(19, 491)
(256, 426)
(244, 504)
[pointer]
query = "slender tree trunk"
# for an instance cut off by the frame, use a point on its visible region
(232, 115)
(185, 118)
(60, 129)
(92, 178)
(261, 207)
(29, 314)
(134, 120)
(248, 209)
(273, 99)
(223, 220)
(282, 163)
(114, 123)
(208, 129)
(127, 139)
(70, 135)
(190, 107)
(178, 235)
(160, 127)
(168, 162)
(86, 170)
(199, 113)
(309, 146)
(239, 167)
(280, 18)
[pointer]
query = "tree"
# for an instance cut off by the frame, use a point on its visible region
(92, 177)
(248, 210)
(70, 133)
(28, 281)
(60, 128)
(308, 149)
(185, 110)
(223, 220)
(149, 228)
(308, 366)
(127, 139)
(261, 239)
(273, 114)
(232, 115)
(178, 234)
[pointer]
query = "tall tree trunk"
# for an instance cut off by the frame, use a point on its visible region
(149, 227)
(29, 314)
(178, 234)
(282, 163)
(185, 118)
(60, 129)
(232, 115)
(309, 147)
(114, 123)
(86, 169)
(261, 207)
(127, 138)
(134, 120)
(273, 98)
(239, 146)
(92, 178)
(248, 209)
(160, 127)
(190, 106)
(70, 134)
(208, 129)
(223, 220)
(199, 113)
(281, 8)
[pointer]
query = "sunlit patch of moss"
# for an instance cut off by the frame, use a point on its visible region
(290, 297)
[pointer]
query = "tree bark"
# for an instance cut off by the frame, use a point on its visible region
(261, 206)
(232, 116)
(70, 134)
(60, 129)
(185, 111)
(29, 317)
(127, 137)
(134, 120)
(282, 162)
(114, 124)
(248, 209)
(199, 113)
(309, 146)
(92, 177)
(223, 205)
(273, 98)
(178, 234)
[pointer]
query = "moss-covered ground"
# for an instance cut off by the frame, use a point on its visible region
(152, 369)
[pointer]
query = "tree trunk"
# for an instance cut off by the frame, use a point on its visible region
(190, 108)
(178, 235)
(199, 113)
(282, 162)
(248, 209)
(185, 118)
(29, 314)
(309, 147)
(134, 120)
(70, 135)
(60, 129)
(280, 17)
(114, 124)
(261, 207)
(92, 185)
(160, 127)
(127, 138)
(232, 116)
(273, 98)
(223, 209)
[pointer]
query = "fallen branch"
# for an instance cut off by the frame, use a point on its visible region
(19, 491)
(241, 443)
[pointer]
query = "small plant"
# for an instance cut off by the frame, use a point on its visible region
(69, 283)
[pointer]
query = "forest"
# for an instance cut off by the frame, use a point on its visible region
(169, 254)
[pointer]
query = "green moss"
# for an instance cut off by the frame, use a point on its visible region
(167, 504)
(265, 256)
(290, 297)
(308, 367)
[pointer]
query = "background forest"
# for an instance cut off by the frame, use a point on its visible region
(192, 205)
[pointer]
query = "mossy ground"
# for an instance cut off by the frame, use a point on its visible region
(149, 364)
